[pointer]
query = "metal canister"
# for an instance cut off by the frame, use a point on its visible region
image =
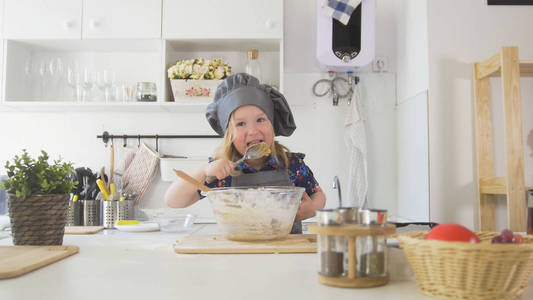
(373, 216)
(75, 213)
(350, 214)
(329, 217)
(372, 250)
(330, 247)
(110, 213)
(125, 210)
(91, 212)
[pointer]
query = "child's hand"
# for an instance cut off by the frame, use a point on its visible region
(220, 168)
(306, 209)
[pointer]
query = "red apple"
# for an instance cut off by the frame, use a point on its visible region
(452, 233)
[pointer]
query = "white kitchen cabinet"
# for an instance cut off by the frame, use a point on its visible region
(222, 19)
(43, 19)
(127, 38)
(107, 19)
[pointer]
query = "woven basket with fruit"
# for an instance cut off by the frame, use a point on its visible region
(451, 262)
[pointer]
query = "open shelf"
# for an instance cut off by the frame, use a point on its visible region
(132, 60)
(41, 106)
(231, 51)
(29, 66)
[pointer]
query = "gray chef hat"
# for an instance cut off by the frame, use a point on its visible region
(244, 89)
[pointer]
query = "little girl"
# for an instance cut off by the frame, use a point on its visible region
(245, 112)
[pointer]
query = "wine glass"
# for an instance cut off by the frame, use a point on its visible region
(87, 82)
(74, 81)
(104, 81)
(42, 72)
(29, 67)
(55, 69)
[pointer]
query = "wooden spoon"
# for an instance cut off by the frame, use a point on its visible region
(192, 181)
(253, 152)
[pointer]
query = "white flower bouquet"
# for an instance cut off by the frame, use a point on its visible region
(197, 78)
(199, 69)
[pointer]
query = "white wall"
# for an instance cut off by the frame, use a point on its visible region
(411, 48)
(319, 133)
(412, 84)
(459, 34)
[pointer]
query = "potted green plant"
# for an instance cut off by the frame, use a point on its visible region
(38, 195)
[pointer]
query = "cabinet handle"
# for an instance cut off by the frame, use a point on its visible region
(269, 24)
(95, 23)
(68, 24)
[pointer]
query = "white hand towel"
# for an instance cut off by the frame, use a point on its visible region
(355, 140)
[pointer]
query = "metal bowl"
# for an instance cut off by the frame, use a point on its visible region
(255, 213)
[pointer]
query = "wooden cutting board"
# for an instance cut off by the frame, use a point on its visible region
(83, 229)
(294, 243)
(18, 260)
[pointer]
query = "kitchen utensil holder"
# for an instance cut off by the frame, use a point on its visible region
(91, 212)
(75, 213)
(110, 213)
(125, 210)
(351, 232)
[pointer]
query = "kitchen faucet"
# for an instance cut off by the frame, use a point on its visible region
(337, 185)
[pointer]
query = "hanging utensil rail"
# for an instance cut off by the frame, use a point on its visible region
(106, 137)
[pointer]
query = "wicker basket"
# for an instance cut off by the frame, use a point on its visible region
(38, 219)
(456, 270)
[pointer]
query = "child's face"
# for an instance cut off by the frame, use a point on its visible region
(250, 126)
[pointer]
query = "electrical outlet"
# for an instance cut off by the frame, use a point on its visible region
(380, 64)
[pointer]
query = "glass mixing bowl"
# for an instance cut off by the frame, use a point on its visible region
(255, 213)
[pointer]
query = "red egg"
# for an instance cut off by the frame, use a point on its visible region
(452, 233)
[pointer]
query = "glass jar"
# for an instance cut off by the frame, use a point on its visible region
(371, 250)
(331, 248)
(252, 65)
(146, 92)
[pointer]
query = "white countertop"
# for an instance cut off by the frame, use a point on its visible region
(123, 265)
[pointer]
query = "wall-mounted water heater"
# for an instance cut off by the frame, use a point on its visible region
(346, 47)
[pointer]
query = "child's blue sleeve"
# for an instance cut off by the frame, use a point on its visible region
(300, 174)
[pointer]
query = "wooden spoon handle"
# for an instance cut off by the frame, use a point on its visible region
(111, 164)
(192, 181)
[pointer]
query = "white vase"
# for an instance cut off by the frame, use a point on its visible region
(194, 90)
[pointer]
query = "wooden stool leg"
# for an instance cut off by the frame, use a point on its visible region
(514, 161)
(487, 219)
(352, 260)
(484, 148)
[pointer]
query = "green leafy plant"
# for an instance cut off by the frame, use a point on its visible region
(28, 176)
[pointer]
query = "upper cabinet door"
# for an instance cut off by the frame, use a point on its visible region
(138, 19)
(42, 19)
(222, 19)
